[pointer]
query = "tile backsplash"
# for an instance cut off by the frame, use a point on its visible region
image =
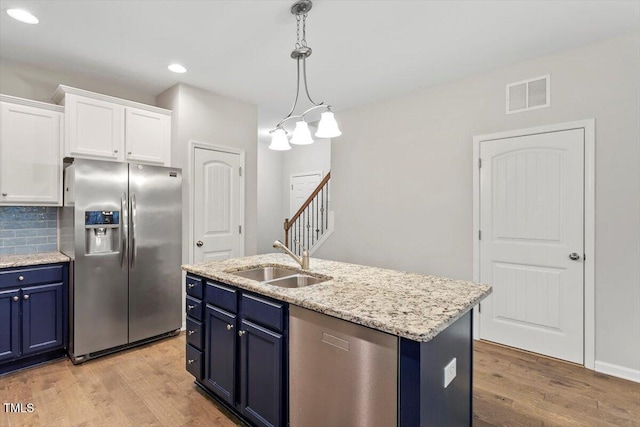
(28, 229)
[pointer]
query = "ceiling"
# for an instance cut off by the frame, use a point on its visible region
(362, 50)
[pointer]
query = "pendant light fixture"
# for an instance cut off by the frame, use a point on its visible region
(328, 127)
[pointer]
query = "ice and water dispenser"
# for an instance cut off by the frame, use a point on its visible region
(102, 230)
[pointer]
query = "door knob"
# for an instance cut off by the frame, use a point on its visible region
(199, 243)
(25, 297)
(241, 333)
(16, 298)
(229, 327)
(574, 256)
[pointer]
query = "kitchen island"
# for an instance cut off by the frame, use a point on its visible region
(429, 318)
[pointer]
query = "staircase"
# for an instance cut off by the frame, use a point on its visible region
(312, 224)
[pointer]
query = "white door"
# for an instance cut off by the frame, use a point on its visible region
(217, 206)
(302, 185)
(531, 220)
(30, 160)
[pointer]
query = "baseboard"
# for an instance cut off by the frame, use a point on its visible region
(618, 371)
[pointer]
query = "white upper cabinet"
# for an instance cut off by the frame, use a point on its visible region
(103, 127)
(147, 136)
(94, 128)
(30, 152)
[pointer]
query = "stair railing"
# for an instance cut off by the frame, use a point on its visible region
(311, 221)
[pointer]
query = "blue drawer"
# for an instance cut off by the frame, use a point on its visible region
(193, 308)
(194, 361)
(14, 278)
(194, 287)
(222, 297)
(264, 312)
(195, 333)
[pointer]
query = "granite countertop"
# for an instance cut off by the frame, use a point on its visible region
(409, 305)
(7, 261)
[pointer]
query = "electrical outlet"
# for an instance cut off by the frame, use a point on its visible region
(449, 372)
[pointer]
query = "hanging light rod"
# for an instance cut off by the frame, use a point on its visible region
(328, 127)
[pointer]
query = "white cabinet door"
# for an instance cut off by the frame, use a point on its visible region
(30, 161)
(95, 128)
(148, 136)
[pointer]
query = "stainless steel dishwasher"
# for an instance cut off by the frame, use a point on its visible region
(340, 374)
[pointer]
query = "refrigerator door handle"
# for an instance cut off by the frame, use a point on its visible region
(125, 231)
(134, 247)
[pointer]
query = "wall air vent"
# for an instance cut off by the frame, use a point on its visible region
(529, 94)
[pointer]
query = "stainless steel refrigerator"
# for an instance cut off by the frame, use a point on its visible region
(121, 226)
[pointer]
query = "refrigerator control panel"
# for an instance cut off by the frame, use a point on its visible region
(101, 219)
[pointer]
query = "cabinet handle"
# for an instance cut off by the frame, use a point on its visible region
(4, 194)
(191, 332)
(26, 297)
(129, 153)
(115, 151)
(16, 298)
(21, 278)
(190, 307)
(241, 333)
(191, 285)
(190, 361)
(229, 327)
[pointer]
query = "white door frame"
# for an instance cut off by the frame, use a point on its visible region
(589, 221)
(193, 144)
(298, 174)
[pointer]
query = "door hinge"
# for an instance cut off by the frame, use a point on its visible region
(240, 171)
(240, 229)
(479, 234)
(479, 163)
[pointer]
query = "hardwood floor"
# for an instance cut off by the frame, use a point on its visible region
(146, 386)
(516, 388)
(149, 386)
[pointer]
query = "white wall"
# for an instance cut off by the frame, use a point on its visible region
(274, 179)
(210, 118)
(301, 159)
(402, 175)
(37, 83)
(270, 217)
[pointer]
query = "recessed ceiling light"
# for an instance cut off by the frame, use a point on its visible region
(22, 16)
(177, 68)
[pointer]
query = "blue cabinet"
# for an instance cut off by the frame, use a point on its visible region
(220, 353)
(261, 374)
(33, 315)
(195, 327)
(9, 324)
(42, 318)
(244, 351)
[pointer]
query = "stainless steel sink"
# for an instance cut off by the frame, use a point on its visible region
(265, 274)
(297, 281)
(280, 276)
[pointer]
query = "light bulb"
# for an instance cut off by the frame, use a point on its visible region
(301, 134)
(22, 16)
(328, 127)
(279, 141)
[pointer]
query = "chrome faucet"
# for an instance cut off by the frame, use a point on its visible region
(303, 261)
